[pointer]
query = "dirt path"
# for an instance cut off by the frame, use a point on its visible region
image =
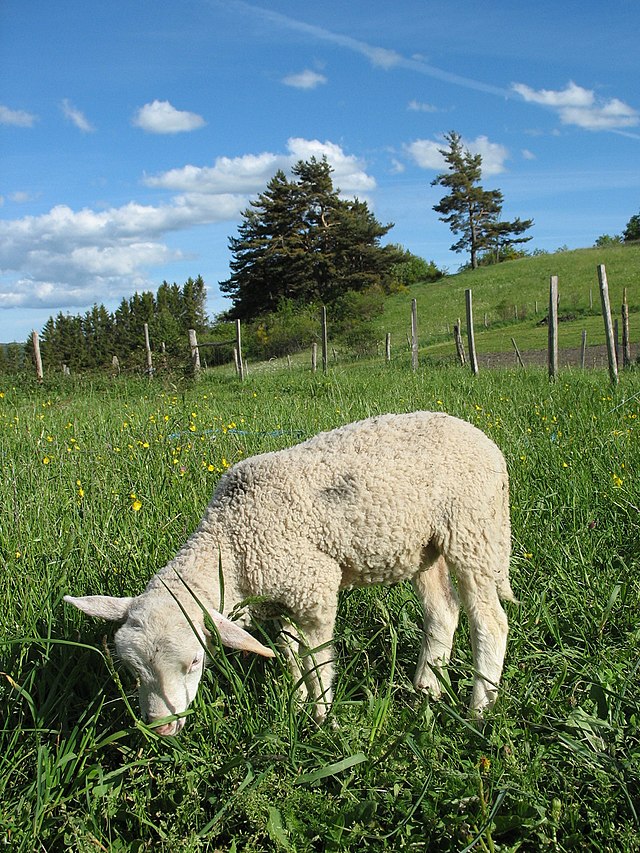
(596, 356)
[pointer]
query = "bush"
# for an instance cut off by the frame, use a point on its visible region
(413, 269)
(291, 328)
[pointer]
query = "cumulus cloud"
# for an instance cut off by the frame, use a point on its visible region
(69, 257)
(581, 107)
(162, 117)
(76, 117)
(17, 118)
(426, 154)
(250, 173)
(306, 79)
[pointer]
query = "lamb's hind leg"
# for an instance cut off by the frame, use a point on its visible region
(441, 610)
(489, 628)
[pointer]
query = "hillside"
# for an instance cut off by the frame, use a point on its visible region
(505, 297)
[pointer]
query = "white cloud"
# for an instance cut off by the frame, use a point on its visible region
(306, 79)
(162, 117)
(421, 107)
(17, 118)
(528, 155)
(69, 257)
(76, 117)
(578, 106)
(251, 172)
(426, 154)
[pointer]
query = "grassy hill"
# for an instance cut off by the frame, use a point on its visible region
(506, 296)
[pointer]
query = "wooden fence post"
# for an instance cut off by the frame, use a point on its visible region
(414, 334)
(457, 336)
(147, 348)
(387, 347)
(473, 359)
(626, 341)
(583, 349)
(608, 327)
(36, 354)
(325, 339)
(195, 352)
(241, 370)
(552, 322)
(518, 356)
(314, 357)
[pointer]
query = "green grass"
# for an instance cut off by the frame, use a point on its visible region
(556, 765)
(499, 290)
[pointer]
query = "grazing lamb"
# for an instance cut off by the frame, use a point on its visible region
(415, 496)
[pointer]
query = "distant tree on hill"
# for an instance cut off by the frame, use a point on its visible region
(300, 241)
(473, 212)
(632, 231)
(606, 240)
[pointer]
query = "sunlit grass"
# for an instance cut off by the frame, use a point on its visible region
(102, 482)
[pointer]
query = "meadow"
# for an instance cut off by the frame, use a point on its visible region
(102, 480)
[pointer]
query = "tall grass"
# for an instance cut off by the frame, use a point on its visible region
(101, 483)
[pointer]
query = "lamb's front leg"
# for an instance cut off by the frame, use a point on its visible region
(316, 652)
(289, 641)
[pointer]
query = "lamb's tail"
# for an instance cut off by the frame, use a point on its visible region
(504, 590)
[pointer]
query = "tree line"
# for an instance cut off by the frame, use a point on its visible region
(91, 340)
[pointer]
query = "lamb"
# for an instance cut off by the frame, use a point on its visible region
(421, 496)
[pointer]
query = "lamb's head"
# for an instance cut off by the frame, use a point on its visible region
(164, 650)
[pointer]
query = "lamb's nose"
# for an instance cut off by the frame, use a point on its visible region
(166, 729)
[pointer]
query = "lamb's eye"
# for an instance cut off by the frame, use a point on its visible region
(195, 664)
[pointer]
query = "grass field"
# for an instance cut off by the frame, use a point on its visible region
(507, 295)
(102, 481)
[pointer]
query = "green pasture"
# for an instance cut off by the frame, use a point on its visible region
(102, 481)
(506, 297)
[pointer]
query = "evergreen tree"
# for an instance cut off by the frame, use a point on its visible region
(97, 329)
(300, 241)
(194, 314)
(469, 209)
(631, 232)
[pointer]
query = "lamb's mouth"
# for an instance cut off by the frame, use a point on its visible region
(173, 727)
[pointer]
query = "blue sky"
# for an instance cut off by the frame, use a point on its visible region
(134, 132)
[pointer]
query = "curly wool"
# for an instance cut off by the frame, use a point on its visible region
(362, 503)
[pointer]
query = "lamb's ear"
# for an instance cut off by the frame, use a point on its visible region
(102, 606)
(235, 637)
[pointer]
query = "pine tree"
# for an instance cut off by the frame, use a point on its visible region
(300, 241)
(469, 209)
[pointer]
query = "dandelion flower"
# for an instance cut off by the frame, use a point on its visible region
(46, 460)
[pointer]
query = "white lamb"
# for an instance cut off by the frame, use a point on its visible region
(415, 496)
